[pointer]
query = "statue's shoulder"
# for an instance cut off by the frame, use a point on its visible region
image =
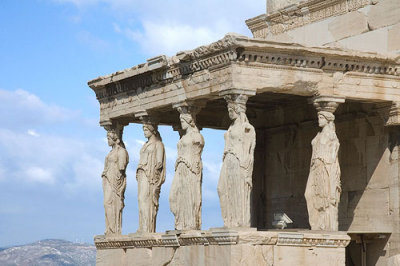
(248, 128)
(122, 150)
(159, 144)
(197, 137)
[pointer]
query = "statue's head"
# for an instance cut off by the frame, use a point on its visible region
(236, 105)
(187, 121)
(149, 130)
(112, 138)
(325, 118)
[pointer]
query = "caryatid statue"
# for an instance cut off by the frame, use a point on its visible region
(235, 182)
(323, 186)
(185, 194)
(150, 175)
(114, 182)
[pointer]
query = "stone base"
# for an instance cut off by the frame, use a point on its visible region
(224, 247)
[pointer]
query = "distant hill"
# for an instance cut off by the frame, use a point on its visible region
(49, 252)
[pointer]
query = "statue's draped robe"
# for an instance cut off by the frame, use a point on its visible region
(185, 194)
(235, 182)
(150, 175)
(114, 185)
(323, 186)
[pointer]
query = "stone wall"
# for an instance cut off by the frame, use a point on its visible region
(374, 28)
(370, 174)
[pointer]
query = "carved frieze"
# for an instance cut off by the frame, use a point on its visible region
(295, 16)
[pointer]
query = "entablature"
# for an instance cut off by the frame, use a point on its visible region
(246, 64)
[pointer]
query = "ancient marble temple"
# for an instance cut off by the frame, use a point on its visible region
(310, 106)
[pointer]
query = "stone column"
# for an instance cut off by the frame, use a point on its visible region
(323, 186)
(150, 175)
(114, 179)
(236, 181)
(185, 195)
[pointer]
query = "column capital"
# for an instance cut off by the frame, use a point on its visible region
(236, 98)
(326, 103)
(189, 107)
(234, 91)
(146, 118)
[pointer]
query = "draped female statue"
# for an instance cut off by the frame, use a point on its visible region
(114, 183)
(185, 194)
(150, 175)
(323, 186)
(235, 182)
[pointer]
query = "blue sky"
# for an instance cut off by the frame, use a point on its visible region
(51, 146)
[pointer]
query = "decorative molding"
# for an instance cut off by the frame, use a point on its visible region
(169, 240)
(306, 241)
(190, 240)
(223, 237)
(295, 16)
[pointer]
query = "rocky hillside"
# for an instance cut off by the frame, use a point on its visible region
(51, 252)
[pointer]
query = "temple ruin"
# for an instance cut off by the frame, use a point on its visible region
(311, 109)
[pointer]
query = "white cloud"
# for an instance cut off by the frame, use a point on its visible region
(51, 159)
(32, 133)
(166, 27)
(2, 172)
(46, 158)
(40, 175)
(170, 153)
(140, 142)
(171, 37)
(213, 168)
(86, 172)
(28, 110)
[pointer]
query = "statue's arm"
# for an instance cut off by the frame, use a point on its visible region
(105, 168)
(123, 160)
(334, 151)
(249, 146)
(250, 162)
(159, 156)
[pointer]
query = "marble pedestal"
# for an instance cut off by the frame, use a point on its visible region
(224, 247)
